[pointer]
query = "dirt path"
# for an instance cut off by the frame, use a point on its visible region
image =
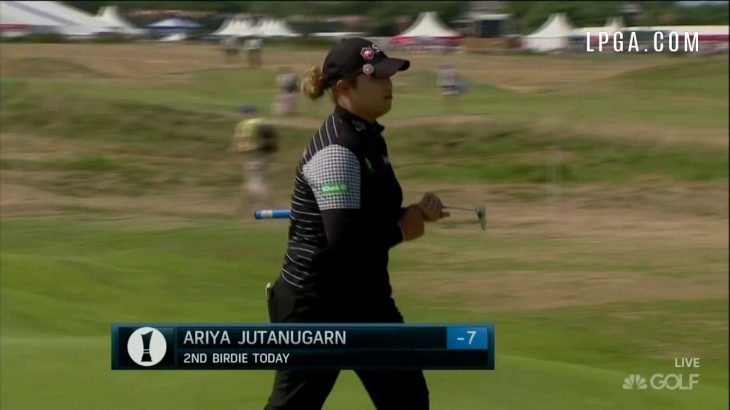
(313, 123)
(697, 214)
(620, 131)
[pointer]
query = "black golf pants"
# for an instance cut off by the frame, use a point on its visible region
(308, 390)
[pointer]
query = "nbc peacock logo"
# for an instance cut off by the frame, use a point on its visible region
(635, 382)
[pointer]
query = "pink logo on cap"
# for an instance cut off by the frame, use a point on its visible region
(367, 53)
(368, 69)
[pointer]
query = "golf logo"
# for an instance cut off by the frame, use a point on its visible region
(147, 346)
(368, 69)
(367, 53)
(661, 381)
(334, 188)
(635, 382)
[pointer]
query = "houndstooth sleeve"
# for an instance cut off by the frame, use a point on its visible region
(333, 174)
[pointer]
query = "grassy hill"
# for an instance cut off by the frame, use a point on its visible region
(118, 197)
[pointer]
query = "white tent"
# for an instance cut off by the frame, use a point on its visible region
(224, 29)
(77, 32)
(109, 16)
(243, 28)
(236, 26)
(281, 29)
(552, 35)
(426, 26)
(338, 35)
(273, 28)
(18, 20)
(174, 37)
(613, 26)
(62, 18)
(174, 24)
(73, 17)
(262, 27)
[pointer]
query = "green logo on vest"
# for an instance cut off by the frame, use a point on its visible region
(369, 165)
(334, 188)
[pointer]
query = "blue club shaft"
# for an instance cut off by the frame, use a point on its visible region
(273, 214)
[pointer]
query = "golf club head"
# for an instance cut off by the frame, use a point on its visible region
(482, 215)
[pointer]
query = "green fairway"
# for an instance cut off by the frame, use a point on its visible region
(65, 281)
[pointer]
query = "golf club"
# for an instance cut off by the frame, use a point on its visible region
(286, 214)
(272, 214)
(480, 211)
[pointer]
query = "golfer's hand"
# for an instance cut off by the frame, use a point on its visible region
(411, 224)
(431, 207)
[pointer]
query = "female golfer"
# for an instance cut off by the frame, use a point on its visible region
(345, 216)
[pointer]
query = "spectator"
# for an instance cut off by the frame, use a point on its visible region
(255, 141)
